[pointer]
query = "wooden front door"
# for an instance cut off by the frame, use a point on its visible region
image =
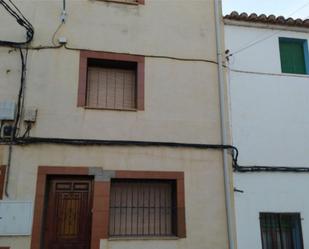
(68, 213)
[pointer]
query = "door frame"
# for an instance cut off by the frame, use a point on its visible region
(100, 203)
(101, 198)
(50, 202)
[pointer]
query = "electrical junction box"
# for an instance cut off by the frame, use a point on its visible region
(62, 40)
(7, 130)
(15, 217)
(7, 110)
(30, 115)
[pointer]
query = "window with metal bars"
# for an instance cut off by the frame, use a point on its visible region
(141, 208)
(281, 231)
(111, 84)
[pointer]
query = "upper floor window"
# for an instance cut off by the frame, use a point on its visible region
(294, 56)
(111, 81)
(281, 231)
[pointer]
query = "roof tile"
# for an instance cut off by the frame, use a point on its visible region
(271, 19)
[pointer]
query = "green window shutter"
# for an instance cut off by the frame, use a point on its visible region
(292, 56)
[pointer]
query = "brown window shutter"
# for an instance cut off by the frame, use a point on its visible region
(111, 88)
(111, 80)
(92, 87)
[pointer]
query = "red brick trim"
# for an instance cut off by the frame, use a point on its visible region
(100, 213)
(2, 181)
(82, 85)
(101, 200)
(97, 215)
(170, 175)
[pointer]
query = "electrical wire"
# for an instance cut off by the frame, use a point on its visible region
(246, 169)
(42, 47)
(260, 168)
(254, 42)
(267, 73)
(30, 31)
(27, 131)
(70, 141)
(17, 119)
(7, 171)
(25, 46)
(54, 35)
(94, 142)
(20, 13)
(251, 44)
(21, 91)
(300, 8)
(21, 20)
(15, 140)
(148, 55)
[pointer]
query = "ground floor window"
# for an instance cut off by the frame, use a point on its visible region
(142, 208)
(77, 207)
(281, 231)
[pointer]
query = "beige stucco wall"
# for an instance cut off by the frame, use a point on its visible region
(205, 209)
(164, 27)
(181, 103)
(181, 97)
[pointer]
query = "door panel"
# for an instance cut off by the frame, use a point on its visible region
(68, 214)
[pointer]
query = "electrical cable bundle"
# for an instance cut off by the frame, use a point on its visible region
(26, 139)
(21, 20)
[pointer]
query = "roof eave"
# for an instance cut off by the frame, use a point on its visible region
(265, 25)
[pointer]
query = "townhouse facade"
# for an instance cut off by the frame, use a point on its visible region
(110, 126)
(268, 67)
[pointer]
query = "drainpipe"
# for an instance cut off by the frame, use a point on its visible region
(63, 12)
(226, 169)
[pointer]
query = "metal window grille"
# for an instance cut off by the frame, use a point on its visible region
(111, 85)
(142, 208)
(281, 231)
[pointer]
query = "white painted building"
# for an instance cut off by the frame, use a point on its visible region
(269, 114)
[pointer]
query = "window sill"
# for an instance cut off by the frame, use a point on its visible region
(110, 109)
(301, 75)
(120, 2)
(143, 238)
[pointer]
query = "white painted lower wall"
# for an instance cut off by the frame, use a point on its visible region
(269, 192)
(269, 117)
(269, 126)
(204, 186)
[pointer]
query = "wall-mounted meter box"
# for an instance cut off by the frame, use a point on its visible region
(16, 217)
(30, 115)
(7, 110)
